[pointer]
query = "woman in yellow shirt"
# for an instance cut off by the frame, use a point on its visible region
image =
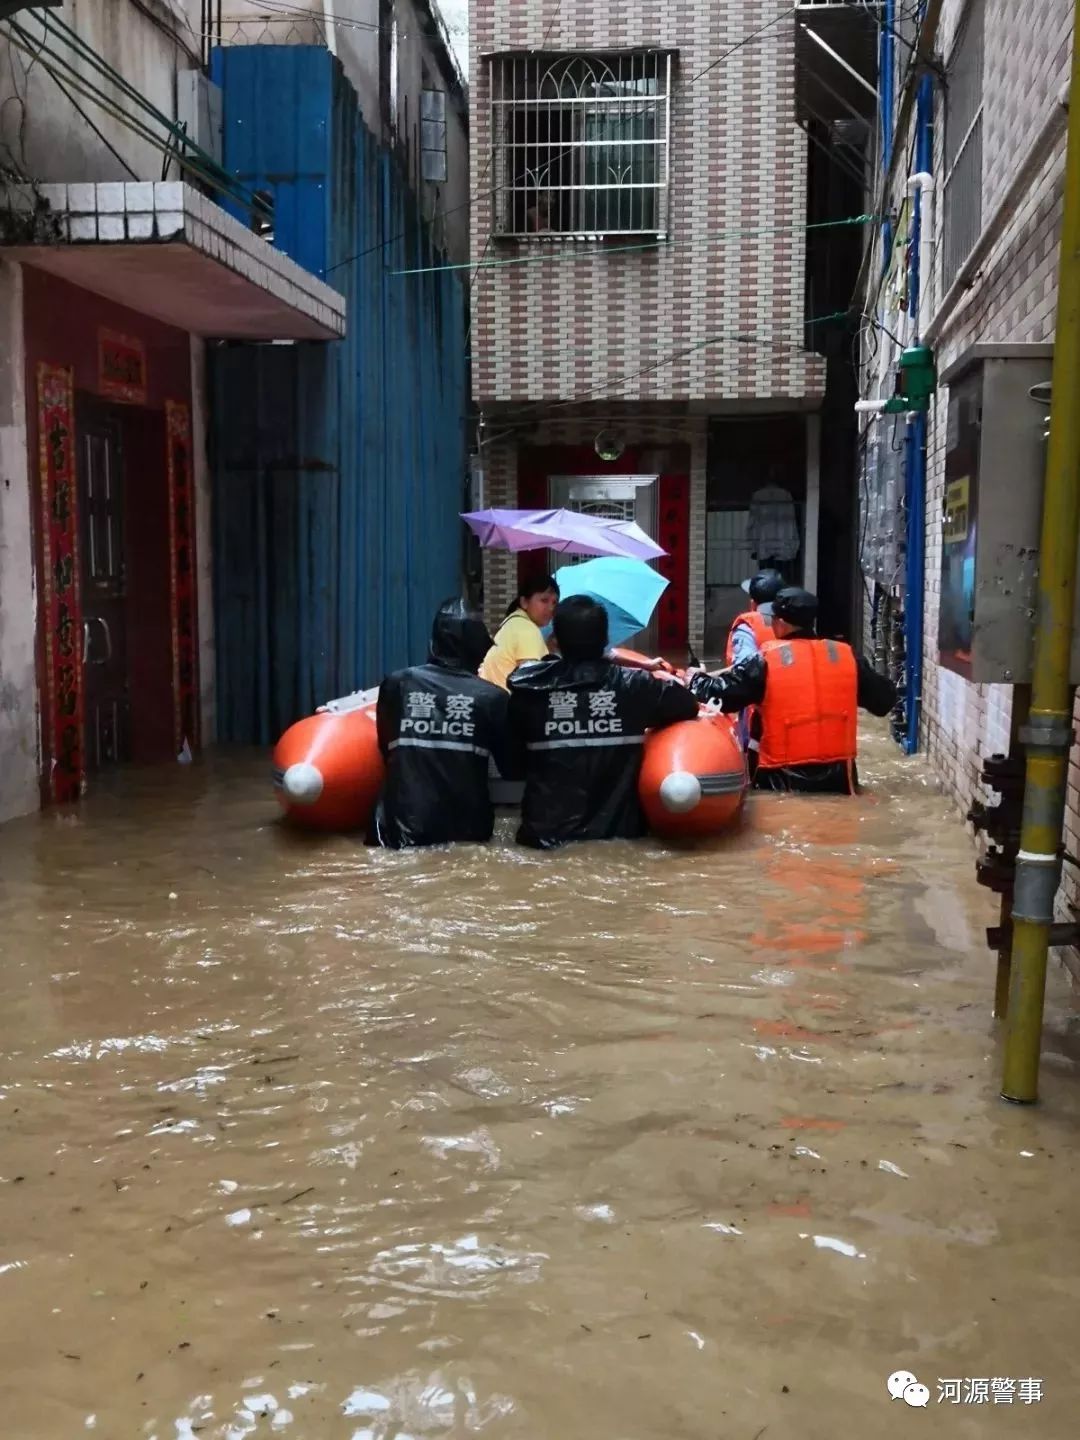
(518, 638)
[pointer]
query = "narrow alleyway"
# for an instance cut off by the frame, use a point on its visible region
(305, 1139)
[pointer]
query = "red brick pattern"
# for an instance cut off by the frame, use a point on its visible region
(558, 327)
(656, 327)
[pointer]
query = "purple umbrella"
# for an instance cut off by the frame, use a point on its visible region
(563, 530)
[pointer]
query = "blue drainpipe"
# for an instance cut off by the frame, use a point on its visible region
(915, 577)
(885, 115)
(886, 60)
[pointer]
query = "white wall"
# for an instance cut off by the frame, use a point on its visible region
(18, 681)
(357, 48)
(43, 135)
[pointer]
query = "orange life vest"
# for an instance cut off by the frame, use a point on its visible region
(757, 623)
(811, 708)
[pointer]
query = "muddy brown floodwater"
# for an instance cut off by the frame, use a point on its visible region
(625, 1143)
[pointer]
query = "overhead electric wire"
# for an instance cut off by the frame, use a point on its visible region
(746, 40)
(863, 280)
(102, 101)
(543, 408)
(113, 151)
(193, 157)
(585, 252)
(487, 167)
(275, 12)
(166, 29)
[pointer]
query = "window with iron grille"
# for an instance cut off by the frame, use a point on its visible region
(964, 143)
(580, 143)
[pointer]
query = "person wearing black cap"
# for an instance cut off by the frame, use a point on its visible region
(750, 630)
(809, 692)
(439, 724)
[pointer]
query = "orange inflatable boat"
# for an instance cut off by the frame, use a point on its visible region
(328, 771)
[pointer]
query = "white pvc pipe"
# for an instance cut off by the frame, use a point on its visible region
(923, 184)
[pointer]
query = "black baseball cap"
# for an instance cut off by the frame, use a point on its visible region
(797, 607)
(764, 586)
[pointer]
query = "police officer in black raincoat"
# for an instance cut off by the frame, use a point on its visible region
(581, 721)
(438, 726)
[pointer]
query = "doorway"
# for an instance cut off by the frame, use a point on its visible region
(126, 643)
(102, 540)
(609, 497)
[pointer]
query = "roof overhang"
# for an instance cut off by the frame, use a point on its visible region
(836, 61)
(164, 249)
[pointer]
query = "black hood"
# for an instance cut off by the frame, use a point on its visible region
(459, 637)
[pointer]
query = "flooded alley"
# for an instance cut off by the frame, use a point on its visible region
(310, 1140)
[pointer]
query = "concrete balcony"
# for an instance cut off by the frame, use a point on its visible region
(164, 249)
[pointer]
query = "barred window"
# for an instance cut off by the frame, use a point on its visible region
(580, 143)
(963, 190)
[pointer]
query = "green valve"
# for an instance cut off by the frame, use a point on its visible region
(917, 378)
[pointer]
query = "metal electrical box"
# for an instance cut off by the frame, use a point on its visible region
(995, 460)
(199, 108)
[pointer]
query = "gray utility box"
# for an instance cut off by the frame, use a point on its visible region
(995, 460)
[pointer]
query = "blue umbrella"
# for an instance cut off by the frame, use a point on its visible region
(627, 589)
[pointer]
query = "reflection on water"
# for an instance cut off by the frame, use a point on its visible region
(305, 1139)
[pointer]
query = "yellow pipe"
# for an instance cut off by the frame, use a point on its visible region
(1048, 734)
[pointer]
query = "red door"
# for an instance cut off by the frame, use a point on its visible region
(102, 542)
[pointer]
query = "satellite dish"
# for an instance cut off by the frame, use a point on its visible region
(608, 445)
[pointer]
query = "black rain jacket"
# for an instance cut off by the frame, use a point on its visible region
(439, 724)
(581, 725)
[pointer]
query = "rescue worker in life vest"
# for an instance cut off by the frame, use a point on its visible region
(809, 692)
(749, 633)
(438, 725)
(581, 721)
(753, 628)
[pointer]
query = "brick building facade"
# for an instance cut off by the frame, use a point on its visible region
(992, 282)
(662, 329)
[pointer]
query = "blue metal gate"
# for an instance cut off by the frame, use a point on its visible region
(339, 468)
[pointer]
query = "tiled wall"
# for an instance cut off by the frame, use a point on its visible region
(558, 327)
(659, 326)
(1012, 299)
